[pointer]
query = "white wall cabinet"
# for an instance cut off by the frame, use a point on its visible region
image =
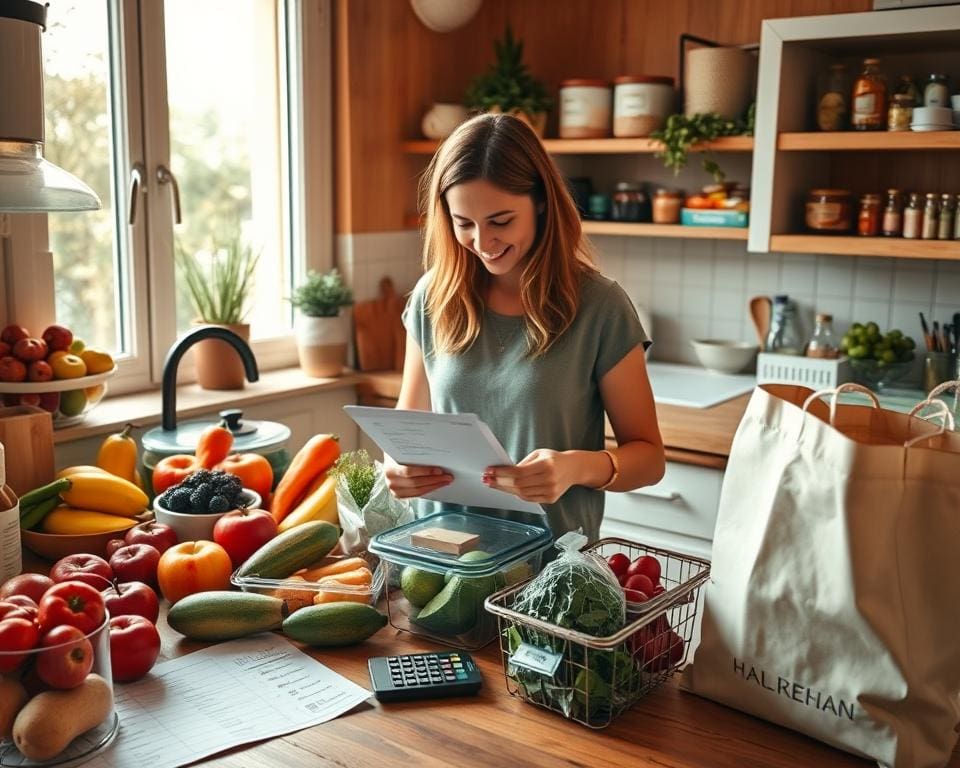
(678, 513)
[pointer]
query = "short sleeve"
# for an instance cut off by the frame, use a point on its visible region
(414, 315)
(620, 330)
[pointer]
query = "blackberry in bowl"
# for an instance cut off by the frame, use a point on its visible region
(193, 507)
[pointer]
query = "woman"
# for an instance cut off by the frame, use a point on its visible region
(512, 321)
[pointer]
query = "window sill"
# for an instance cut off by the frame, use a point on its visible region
(144, 408)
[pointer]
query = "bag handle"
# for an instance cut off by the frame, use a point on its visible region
(943, 411)
(945, 387)
(835, 394)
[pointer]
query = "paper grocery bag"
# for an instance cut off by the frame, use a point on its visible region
(833, 600)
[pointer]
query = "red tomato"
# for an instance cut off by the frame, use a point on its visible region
(243, 531)
(618, 564)
(648, 565)
(12, 610)
(635, 596)
(254, 471)
(639, 582)
(16, 634)
(33, 585)
(22, 600)
(65, 658)
(134, 647)
(73, 603)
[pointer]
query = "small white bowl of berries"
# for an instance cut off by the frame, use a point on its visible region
(193, 507)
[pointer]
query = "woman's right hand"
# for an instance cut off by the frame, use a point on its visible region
(409, 480)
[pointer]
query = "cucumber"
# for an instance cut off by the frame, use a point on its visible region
(216, 616)
(44, 492)
(291, 550)
(331, 625)
(34, 515)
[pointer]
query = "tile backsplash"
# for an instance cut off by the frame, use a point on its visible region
(700, 288)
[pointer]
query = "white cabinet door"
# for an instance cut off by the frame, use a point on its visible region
(678, 513)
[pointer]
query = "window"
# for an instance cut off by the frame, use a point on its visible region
(208, 97)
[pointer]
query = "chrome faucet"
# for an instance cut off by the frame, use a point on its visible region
(170, 365)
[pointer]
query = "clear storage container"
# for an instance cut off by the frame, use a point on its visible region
(440, 594)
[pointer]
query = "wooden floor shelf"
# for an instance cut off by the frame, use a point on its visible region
(629, 229)
(605, 146)
(871, 141)
(892, 247)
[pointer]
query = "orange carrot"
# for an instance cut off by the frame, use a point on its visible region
(315, 458)
(343, 565)
(361, 577)
(325, 596)
(213, 446)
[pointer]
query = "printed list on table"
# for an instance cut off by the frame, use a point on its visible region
(230, 694)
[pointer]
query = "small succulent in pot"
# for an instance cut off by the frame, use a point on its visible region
(322, 295)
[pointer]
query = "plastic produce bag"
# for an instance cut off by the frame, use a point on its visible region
(382, 512)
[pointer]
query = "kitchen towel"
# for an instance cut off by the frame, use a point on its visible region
(832, 604)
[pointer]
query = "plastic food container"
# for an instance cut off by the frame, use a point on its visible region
(90, 703)
(441, 594)
(300, 592)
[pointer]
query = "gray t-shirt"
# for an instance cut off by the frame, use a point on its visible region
(548, 402)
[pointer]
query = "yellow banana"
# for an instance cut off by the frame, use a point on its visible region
(67, 471)
(103, 492)
(118, 455)
(321, 504)
(73, 522)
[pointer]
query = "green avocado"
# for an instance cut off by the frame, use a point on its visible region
(458, 606)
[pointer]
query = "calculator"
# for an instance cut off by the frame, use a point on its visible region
(424, 675)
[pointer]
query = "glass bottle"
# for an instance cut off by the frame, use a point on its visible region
(948, 210)
(868, 220)
(907, 87)
(832, 99)
(900, 113)
(892, 225)
(931, 218)
(783, 338)
(935, 92)
(869, 111)
(912, 217)
(11, 562)
(823, 343)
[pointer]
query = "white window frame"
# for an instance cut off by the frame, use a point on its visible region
(26, 276)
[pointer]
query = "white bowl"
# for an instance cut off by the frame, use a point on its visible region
(722, 356)
(191, 527)
(925, 117)
(52, 396)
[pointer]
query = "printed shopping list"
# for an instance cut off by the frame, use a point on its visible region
(232, 693)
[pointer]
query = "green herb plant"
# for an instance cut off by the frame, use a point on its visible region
(220, 280)
(680, 133)
(508, 85)
(357, 470)
(322, 295)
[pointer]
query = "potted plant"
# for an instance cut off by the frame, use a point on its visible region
(322, 332)
(509, 87)
(219, 281)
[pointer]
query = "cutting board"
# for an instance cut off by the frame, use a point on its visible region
(694, 387)
(27, 436)
(378, 328)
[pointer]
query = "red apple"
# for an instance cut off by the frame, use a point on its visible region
(134, 598)
(5, 349)
(134, 647)
(136, 562)
(112, 546)
(66, 657)
(33, 585)
(89, 569)
(155, 534)
(39, 370)
(57, 337)
(12, 369)
(29, 350)
(50, 401)
(13, 333)
(30, 398)
(243, 531)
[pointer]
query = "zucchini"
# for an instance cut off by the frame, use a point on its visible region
(215, 616)
(291, 550)
(334, 624)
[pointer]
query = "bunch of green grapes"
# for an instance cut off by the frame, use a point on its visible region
(865, 342)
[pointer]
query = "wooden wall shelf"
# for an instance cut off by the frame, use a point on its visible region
(891, 247)
(854, 141)
(605, 146)
(628, 229)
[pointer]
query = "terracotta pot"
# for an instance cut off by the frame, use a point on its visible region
(322, 345)
(218, 364)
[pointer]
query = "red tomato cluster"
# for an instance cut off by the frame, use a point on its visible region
(640, 579)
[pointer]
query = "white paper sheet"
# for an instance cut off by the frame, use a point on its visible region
(458, 442)
(230, 694)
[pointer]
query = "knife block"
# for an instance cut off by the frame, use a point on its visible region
(27, 435)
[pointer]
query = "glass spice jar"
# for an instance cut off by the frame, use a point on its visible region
(832, 99)
(912, 217)
(629, 203)
(666, 206)
(931, 218)
(948, 210)
(823, 343)
(907, 87)
(829, 210)
(900, 113)
(869, 98)
(892, 222)
(935, 92)
(868, 220)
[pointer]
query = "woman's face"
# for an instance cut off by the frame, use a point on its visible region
(497, 226)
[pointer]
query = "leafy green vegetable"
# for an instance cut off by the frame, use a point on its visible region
(681, 132)
(357, 469)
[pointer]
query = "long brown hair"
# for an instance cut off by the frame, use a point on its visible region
(504, 151)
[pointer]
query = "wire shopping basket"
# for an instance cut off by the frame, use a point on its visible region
(590, 679)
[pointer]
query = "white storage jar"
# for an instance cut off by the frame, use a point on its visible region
(585, 109)
(641, 104)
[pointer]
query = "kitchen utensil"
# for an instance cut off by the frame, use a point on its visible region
(380, 335)
(724, 356)
(27, 436)
(760, 309)
(927, 338)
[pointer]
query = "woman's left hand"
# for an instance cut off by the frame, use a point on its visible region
(542, 477)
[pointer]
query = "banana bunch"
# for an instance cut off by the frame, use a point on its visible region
(83, 500)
